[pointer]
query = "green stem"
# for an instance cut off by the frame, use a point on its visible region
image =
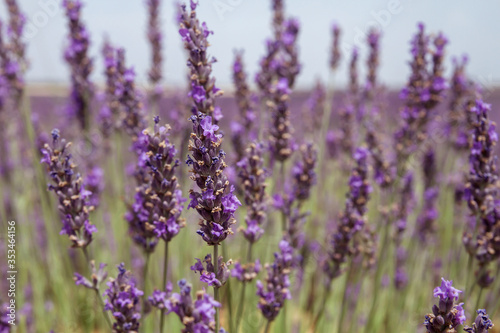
(344, 297)
(165, 270)
(216, 289)
(144, 279)
(241, 304)
(479, 298)
(268, 326)
(322, 308)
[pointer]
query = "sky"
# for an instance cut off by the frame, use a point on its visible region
(472, 28)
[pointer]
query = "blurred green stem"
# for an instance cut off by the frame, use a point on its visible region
(239, 313)
(322, 309)
(144, 280)
(164, 286)
(268, 326)
(216, 289)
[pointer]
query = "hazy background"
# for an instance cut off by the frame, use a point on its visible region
(471, 26)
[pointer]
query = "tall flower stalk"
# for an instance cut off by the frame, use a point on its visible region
(81, 65)
(154, 34)
(214, 200)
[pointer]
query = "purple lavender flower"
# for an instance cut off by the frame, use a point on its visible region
(448, 315)
(303, 172)
(123, 301)
(203, 89)
(74, 205)
(423, 92)
(278, 17)
(216, 202)
(11, 79)
(289, 66)
(132, 117)
(76, 55)
(155, 41)
(197, 316)
(461, 89)
(482, 323)
(481, 192)
(97, 277)
(429, 214)
(246, 272)
(213, 276)
(17, 23)
(94, 182)
(281, 129)
(246, 107)
(111, 109)
(159, 298)
(156, 212)
(335, 55)
(352, 219)
(276, 289)
(314, 109)
(253, 175)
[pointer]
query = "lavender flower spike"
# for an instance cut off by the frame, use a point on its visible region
(214, 276)
(352, 219)
(253, 176)
(155, 40)
(98, 276)
(74, 205)
(17, 22)
(303, 172)
(158, 202)
(215, 202)
(482, 323)
(123, 301)
(335, 55)
(196, 315)
(281, 129)
(76, 55)
(195, 37)
(481, 191)
(446, 316)
(276, 289)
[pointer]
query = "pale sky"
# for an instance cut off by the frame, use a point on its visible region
(471, 26)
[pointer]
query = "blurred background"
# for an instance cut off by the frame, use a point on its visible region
(471, 28)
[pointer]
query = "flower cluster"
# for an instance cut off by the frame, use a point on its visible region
(76, 55)
(246, 272)
(446, 316)
(422, 93)
(156, 212)
(155, 40)
(276, 289)
(314, 108)
(123, 301)
(481, 191)
(216, 202)
(280, 135)
(425, 222)
(73, 198)
(242, 130)
(303, 172)
(461, 90)
(253, 175)
(482, 323)
(98, 276)
(111, 108)
(214, 276)
(353, 217)
(335, 54)
(197, 316)
(132, 113)
(203, 90)
(94, 182)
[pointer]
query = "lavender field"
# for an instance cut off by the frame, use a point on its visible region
(266, 207)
